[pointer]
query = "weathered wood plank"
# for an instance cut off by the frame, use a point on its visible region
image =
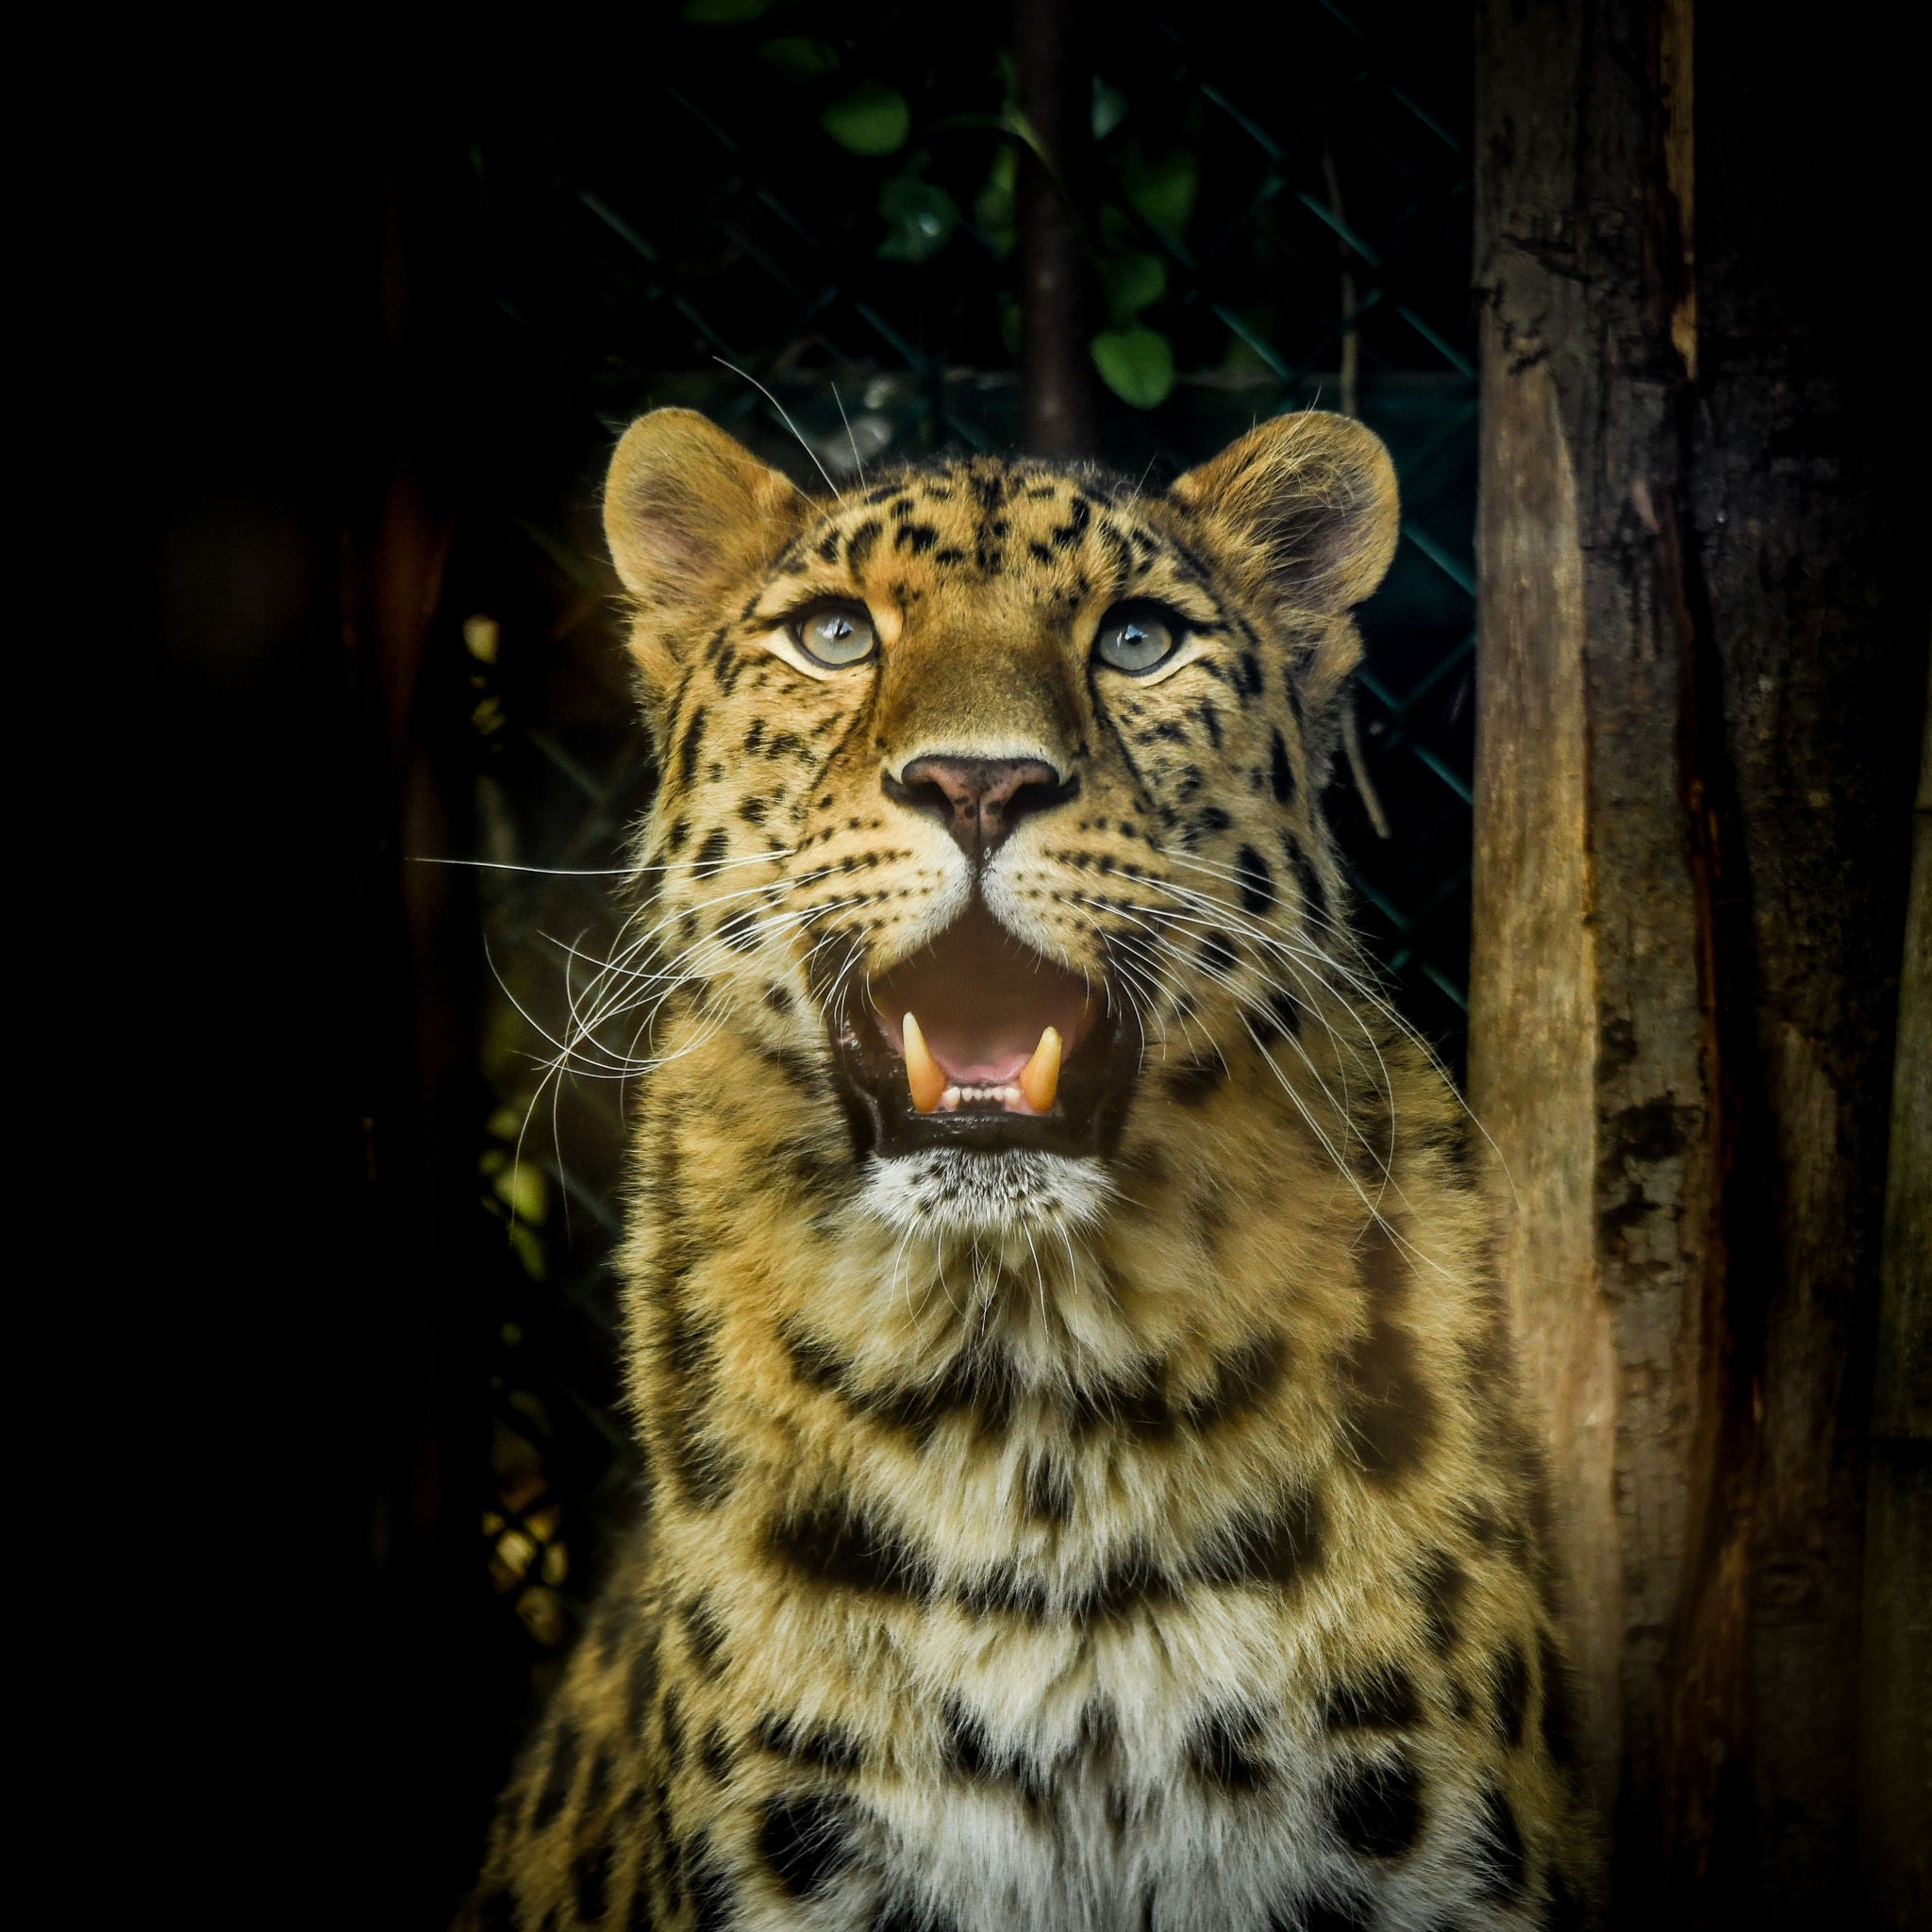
(1589, 1058)
(1697, 631)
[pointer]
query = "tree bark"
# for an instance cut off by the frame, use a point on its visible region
(1056, 297)
(1697, 638)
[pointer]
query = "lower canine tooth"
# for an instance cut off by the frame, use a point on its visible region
(1039, 1078)
(921, 1071)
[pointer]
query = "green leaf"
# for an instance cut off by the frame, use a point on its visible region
(1009, 327)
(1133, 282)
(920, 217)
(1163, 189)
(723, 13)
(1137, 365)
(1110, 107)
(872, 120)
(992, 207)
(800, 59)
(1120, 234)
(524, 1191)
(530, 1250)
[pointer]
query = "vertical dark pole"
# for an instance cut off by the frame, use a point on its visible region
(1056, 306)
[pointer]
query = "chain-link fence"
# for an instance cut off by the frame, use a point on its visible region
(823, 198)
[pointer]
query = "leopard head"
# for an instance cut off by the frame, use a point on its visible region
(992, 789)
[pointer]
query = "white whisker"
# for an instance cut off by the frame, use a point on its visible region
(788, 423)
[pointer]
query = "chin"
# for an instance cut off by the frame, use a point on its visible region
(988, 1196)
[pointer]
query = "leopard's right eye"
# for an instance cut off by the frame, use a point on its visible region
(835, 634)
(1136, 638)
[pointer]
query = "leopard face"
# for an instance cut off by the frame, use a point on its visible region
(990, 791)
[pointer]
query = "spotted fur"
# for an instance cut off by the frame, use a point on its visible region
(1150, 1542)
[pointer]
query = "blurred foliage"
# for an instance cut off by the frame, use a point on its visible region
(871, 119)
(920, 217)
(1137, 365)
(800, 59)
(1177, 126)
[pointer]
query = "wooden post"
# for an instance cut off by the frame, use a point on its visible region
(1697, 636)
(1056, 297)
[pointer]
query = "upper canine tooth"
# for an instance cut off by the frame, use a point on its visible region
(921, 1071)
(1039, 1078)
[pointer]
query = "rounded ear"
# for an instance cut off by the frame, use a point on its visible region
(688, 512)
(1304, 508)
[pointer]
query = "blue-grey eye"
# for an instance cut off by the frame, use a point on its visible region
(1136, 638)
(835, 634)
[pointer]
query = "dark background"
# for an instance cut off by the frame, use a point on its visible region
(364, 316)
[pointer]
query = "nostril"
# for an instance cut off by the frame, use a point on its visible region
(1036, 786)
(930, 795)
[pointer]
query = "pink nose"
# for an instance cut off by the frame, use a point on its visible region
(980, 800)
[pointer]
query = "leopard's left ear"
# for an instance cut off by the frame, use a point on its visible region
(1302, 509)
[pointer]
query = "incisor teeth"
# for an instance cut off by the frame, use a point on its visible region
(1039, 1078)
(921, 1071)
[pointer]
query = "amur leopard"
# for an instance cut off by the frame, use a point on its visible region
(1087, 1487)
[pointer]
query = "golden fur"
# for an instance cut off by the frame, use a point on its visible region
(1147, 1541)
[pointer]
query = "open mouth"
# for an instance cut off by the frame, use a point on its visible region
(979, 1041)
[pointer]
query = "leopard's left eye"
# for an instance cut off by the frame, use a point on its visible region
(835, 634)
(1136, 638)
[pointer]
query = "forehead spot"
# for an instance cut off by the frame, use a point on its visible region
(1079, 514)
(859, 546)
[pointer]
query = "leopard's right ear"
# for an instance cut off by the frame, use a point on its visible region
(689, 514)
